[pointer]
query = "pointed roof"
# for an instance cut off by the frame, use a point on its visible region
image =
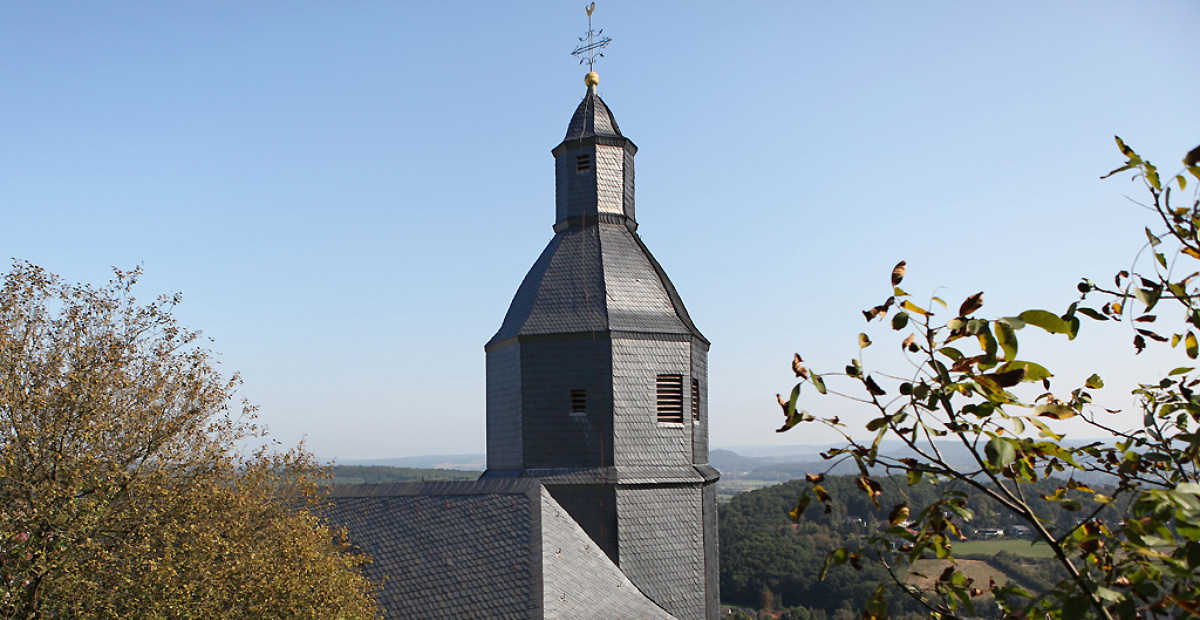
(596, 278)
(592, 118)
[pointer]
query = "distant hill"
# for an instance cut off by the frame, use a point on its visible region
(470, 462)
(378, 474)
(742, 467)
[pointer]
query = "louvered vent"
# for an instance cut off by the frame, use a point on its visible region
(670, 398)
(578, 402)
(583, 163)
(695, 400)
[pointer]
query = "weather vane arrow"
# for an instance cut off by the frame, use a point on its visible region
(592, 42)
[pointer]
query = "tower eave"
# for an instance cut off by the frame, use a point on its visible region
(577, 143)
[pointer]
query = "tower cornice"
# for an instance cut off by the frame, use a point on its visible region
(577, 143)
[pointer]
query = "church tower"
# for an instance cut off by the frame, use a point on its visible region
(597, 380)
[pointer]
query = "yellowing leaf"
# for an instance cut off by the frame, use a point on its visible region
(1055, 410)
(911, 307)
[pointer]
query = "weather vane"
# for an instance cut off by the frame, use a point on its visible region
(595, 40)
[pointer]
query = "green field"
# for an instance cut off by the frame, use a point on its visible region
(726, 489)
(992, 547)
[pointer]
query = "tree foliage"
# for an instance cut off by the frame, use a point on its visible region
(1131, 548)
(123, 490)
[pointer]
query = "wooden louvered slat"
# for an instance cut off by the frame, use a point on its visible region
(670, 398)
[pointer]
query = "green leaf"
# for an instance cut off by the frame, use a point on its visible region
(1076, 607)
(1000, 452)
(801, 506)
(818, 383)
(1033, 371)
(1013, 321)
(899, 320)
(1094, 382)
(1007, 338)
(1148, 297)
(875, 607)
(1193, 348)
(987, 342)
(1055, 410)
(1191, 488)
(1121, 169)
(1152, 176)
(1125, 150)
(1154, 241)
(1045, 430)
(1092, 314)
(951, 353)
(1045, 320)
(1180, 371)
(863, 341)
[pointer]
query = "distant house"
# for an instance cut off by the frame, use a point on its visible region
(988, 533)
(1019, 531)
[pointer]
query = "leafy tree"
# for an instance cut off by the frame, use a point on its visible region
(1130, 549)
(123, 491)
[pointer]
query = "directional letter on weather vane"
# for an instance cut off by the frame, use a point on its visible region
(595, 41)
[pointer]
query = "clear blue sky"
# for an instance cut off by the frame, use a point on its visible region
(348, 193)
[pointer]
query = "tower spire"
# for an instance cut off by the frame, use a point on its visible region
(591, 42)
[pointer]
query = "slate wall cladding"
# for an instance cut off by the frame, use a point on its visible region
(551, 436)
(712, 555)
(580, 581)
(661, 534)
(610, 178)
(639, 438)
(574, 190)
(504, 442)
(628, 183)
(700, 431)
(595, 510)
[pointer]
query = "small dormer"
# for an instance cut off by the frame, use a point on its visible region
(593, 165)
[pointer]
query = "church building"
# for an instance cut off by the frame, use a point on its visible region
(598, 500)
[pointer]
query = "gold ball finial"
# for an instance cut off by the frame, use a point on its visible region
(591, 79)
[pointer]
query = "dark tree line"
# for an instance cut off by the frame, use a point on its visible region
(768, 558)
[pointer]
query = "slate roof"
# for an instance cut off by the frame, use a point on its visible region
(498, 548)
(594, 278)
(592, 118)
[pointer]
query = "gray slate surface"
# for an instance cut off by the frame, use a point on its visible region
(592, 118)
(489, 549)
